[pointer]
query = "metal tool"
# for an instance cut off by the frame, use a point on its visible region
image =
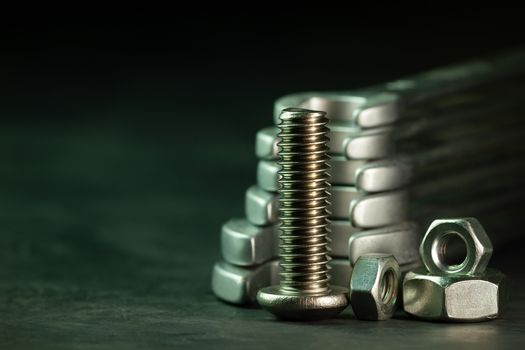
(342, 172)
(261, 206)
(383, 175)
(239, 285)
(365, 211)
(339, 207)
(382, 105)
(401, 241)
(446, 142)
(364, 109)
(245, 244)
(370, 144)
(304, 292)
(380, 209)
(266, 143)
(345, 139)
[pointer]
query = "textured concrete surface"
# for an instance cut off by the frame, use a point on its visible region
(108, 235)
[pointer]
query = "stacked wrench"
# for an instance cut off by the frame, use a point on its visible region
(402, 153)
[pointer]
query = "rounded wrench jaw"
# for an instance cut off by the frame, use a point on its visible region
(261, 206)
(383, 176)
(401, 241)
(338, 106)
(342, 172)
(266, 143)
(381, 209)
(370, 144)
(244, 244)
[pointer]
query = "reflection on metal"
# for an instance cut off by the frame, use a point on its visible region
(445, 143)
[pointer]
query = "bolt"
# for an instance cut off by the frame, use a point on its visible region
(304, 292)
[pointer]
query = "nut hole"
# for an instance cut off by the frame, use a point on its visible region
(450, 251)
(389, 287)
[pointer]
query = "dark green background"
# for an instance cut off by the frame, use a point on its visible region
(125, 143)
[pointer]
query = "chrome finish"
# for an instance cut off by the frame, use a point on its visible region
(374, 287)
(304, 292)
(455, 298)
(436, 247)
(381, 209)
(401, 241)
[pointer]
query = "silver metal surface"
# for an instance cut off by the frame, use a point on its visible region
(342, 172)
(410, 267)
(383, 175)
(364, 109)
(370, 144)
(452, 79)
(268, 175)
(239, 285)
(244, 244)
(345, 140)
(364, 210)
(260, 202)
(266, 140)
(381, 108)
(340, 201)
(445, 146)
(261, 206)
(381, 209)
(339, 206)
(380, 105)
(340, 232)
(401, 241)
(374, 287)
(304, 291)
(459, 298)
(248, 245)
(338, 106)
(266, 143)
(305, 306)
(339, 132)
(437, 247)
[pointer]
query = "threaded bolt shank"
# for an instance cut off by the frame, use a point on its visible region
(304, 292)
(303, 201)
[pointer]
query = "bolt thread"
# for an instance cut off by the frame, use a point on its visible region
(304, 195)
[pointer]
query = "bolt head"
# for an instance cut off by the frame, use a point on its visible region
(303, 307)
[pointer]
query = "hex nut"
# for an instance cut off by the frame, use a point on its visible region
(457, 298)
(374, 287)
(467, 236)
